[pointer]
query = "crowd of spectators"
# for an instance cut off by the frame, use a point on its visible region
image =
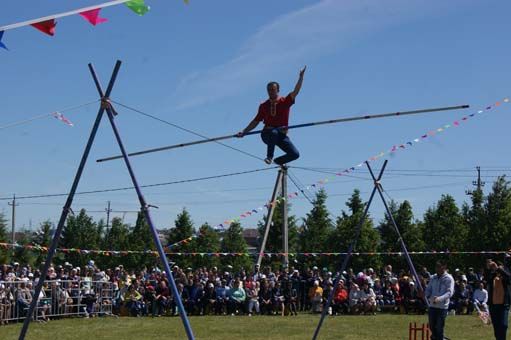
(90, 291)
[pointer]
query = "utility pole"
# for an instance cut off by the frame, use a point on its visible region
(478, 183)
(13, 222)
(108, 211)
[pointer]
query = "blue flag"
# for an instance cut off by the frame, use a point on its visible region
(2, 45)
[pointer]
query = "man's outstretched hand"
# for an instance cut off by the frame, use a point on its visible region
(302, 71)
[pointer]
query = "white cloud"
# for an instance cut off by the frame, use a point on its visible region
(292, 39)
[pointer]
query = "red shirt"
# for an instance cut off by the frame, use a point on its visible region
(275, 113)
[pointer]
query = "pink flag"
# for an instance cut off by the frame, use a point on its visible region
(93, 17)
(63, 119)
(47, 26)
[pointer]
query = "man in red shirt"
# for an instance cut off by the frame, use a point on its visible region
(274, 113)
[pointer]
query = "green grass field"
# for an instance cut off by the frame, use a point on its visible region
(381, 327)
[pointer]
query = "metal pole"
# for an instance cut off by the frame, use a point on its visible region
(66, 208)
(348, 256)
(285, 227)
(331, 121)
(271, 209)
(145, 209)
(401, 241)
(13, 223)
(108, 211)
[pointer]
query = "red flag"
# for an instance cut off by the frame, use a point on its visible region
(47, 26)
(93, 17)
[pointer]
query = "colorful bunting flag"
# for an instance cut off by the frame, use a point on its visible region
(2, 45)
(63, 119)
(93, 17)
(47, 26)
(138, 6)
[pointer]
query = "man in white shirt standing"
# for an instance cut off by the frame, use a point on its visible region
(439, 292)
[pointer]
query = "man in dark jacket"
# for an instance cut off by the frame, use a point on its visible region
(498, 280)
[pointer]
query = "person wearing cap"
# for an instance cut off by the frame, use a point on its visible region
(316, 297)
(498, 279)
(222, 297)
(209, 300)
(439, 292)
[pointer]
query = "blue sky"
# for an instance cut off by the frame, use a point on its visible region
(205, 66)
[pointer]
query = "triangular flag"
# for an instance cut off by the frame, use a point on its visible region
(2, 45)
(138, 6)
(47, 26)
(93, 17)
(63, 119)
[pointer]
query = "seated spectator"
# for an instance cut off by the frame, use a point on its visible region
(133, 301)
(340, 300)
(413, 301)
(389, 299)
(196, 294)
(162, 298)
(266, 298)
(378, 291)
(278, 298)
(23, 298)
(237, 298)
(290, 298)
(209, 300)
(463, 299)
(480, 300)
(356, 306)
(253, 298)
(368, 299)
(90, 298)
(316, 297)
(222, 297)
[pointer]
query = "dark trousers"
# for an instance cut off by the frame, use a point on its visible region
(275, 137)
(499, 318)
(437, 322)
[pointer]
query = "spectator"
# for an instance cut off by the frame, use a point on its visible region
(340, 300)
(316, 297)
(499, 296)
(439, 292)
(133, 301)
(237, 298)
(266, 298)
(291, 298)
(209, 300)
(356, 306)
(480, 299)
(222, 297)
(253, 298)
(278, 298)
(368, 298)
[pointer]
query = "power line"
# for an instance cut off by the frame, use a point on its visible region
(29, 120)
(185, 129)
(142, 186)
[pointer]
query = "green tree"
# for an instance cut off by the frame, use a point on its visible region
(410, 231)
(317, 226)
(445, 229)
(81, 232)
(344, 233)
(117, 237)
(498, 210)
(140, 239)
(4, 252)
(274, 242)
(208, 241)
(233, 242)
(183, 229)
(43, 237)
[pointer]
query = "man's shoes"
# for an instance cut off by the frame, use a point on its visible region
(268, 160)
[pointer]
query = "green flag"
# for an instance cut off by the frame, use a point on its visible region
(138, 6)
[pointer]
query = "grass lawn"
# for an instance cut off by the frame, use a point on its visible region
(381, 327)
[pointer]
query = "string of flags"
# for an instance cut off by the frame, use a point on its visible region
(91, 14)
(391, 151)
(223, 254)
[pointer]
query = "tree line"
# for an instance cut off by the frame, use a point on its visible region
(483, 223)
